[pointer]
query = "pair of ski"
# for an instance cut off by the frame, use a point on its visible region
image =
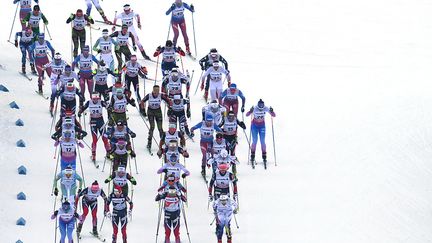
(99, 237)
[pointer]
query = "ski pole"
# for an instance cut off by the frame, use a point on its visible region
(54, 116)
(55, 172)
(274, 144)
(157, 67)
(214, 219)
(159, 219)
(103, 167)
(103, 220)
(181, 61)
(72, 47)
(249, 151)
(136, 167)
(235, 220)
(199, 80)
(91, 40)
(193, 28)
(13, 22)
(55, 231)
(185, 220)
(82, 171)
(190, 82)
(49, 34)
(169, 30)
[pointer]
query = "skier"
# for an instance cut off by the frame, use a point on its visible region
(105, 48)
(132, 70)
(120, 131)
(123, 41)
(230, 100)
(154, 111)
(258, 127)
(33, 18)
(172, 207)
(67, 123)
(118, 105)
(127, 18)
(40, 48)
(168, 56)
(207, 128)
(229, 127)
(120, 178)
(215, 72)
(84, 62)
(25, 8)
(67, 76)
(220, 182)
(207, 61)
(27, 38)
(66, 218)
(172, 148)
(171, 134)
(173, 167)
(219, 144)
(178, 20)
(120, 212)
(68, 150)
(57, 66)
(224, 208)
(90, 201)
(97, 123)
(171, 180)
(223, 157)
(119, 153)
(68, 178)
(79, 21)
(217, 111)
(98, 8)
(68, 100)
(172, 83)
(100, 77)
(177, 112)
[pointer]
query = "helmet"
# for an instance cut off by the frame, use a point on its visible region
(70, 86)
(95, 186)
(57, 56)
(223, 167)
(260, 104)
(209, 117)
(169, 43)
(223, 153)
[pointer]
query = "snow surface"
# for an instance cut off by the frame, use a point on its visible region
(349, 81)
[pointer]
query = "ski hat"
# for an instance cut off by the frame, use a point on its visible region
(121, 142)
(67, 134)
(219, 135)
(223, 199)
(172, 144)
(95, 96)
(79, 13)
(69, 86)
(120, 123)
(223, 153)
(171, 179)
(169, 43)
(68, 121)
(105, 33)
(66, 205)
(215, 63)
(57, 56)
(260, 104)
(172, 127)
(95, 186)
(223, 167)
(68, 68)
(68, 171)
(209, 117)
(173, 158)
(117, 190)
(172, 192)
(213, 51)
(28, 30)
(86, 48)
(231, 116)
(41, 36)
(233, 86)
(119, 92)
(121, 168)
(124, 26)
(177, 97)
(102, 66)
(126, 7)
(36, 8)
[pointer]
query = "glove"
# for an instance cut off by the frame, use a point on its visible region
(132, 154)
(130, 213)
(186, 154)
(139, 25)
(188, 113)
(99, 50)
(183, 176)
(242, 109)
(202, 86)
(159, 153)
(235, 211)
(107, 180)
(202, 67)
(55, 192)
(111, 156)
(271, 109)
(158, 48)
(192, 8)
(251, 109)
(133, 103)
(134, 48)
(54, 137)
(84, 133)
(113, 28)
(79, 114)
(192, 134)
(235, 197)
(133, 181)
(16, 43)
(144, 113)
(79, 191)
(133, 135)
(46, 23)
(164, 170)
(173, 6)
(169, 112)
(72, 16)
(242, 125)
(210, 197)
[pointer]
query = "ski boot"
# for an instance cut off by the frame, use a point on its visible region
(188, 52)
(79, 227)
(252, 157)
(219, 241)
(40, 89)
(206, 95)
(23, 69)
(229, 240)
(32, 67)
(51, 109)
(203, 171)
(143, 53)
(264, 157)
(95, 232)
(149, 142)
(114, 238)
(124, 239)
(93, 156)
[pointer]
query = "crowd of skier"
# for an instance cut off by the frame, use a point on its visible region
(109, 83)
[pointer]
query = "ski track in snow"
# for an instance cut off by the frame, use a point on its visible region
(349, 82)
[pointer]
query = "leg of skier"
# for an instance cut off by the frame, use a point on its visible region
(185, 36)
(254, 131)
(262, 132)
